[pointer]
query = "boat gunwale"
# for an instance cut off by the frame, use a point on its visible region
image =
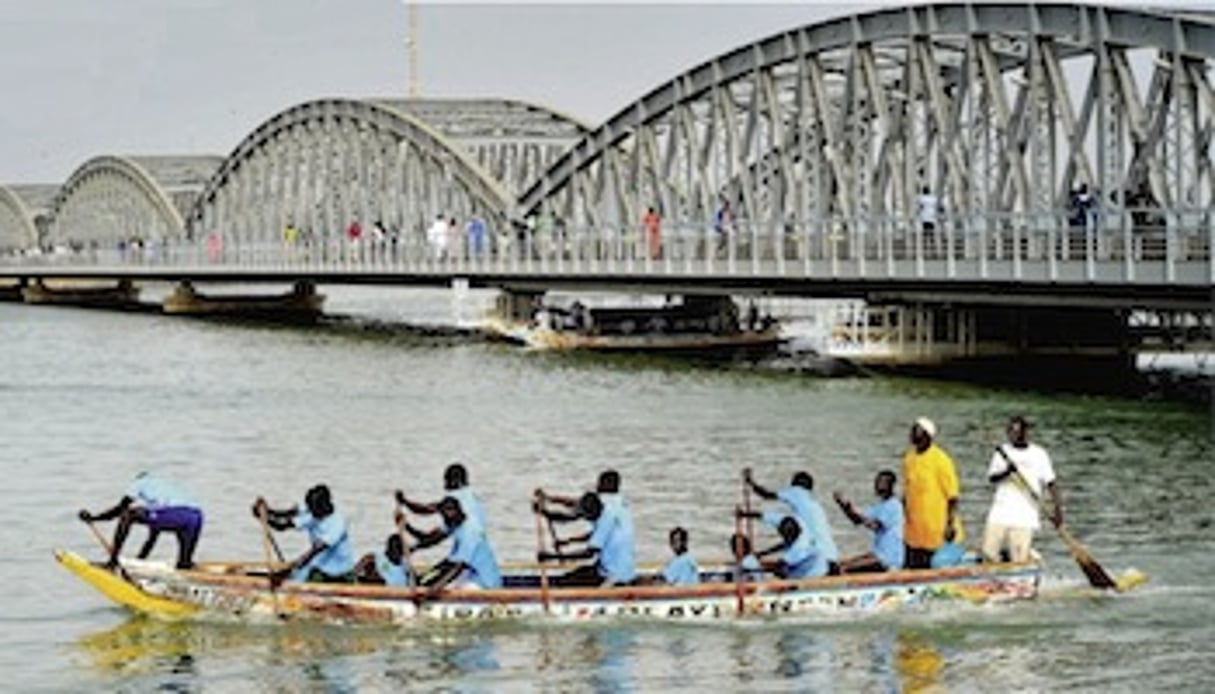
(728, 589)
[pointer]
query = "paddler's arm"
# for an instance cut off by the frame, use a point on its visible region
(279, 519)
(1009, 467)
(426, 538)
(588, 553)
(414, 506)
(1056, 510)
(855, 516)
(951, 517)
(108, 514)
(567, 501)
(277, 577)
(445, 573)
(763, 492)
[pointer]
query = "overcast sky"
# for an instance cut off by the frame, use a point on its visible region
(82, 78)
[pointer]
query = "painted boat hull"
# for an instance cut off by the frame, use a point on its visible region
(226, 593)
(672, 343)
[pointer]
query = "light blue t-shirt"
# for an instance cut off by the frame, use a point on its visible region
(803, 548)
(811, 514)
(338, 556)
(471, 547)
(393, 574)
(612, 536)
(152, 491)
(681, 570)
(801, 561)
(888, 539)
(471, 505)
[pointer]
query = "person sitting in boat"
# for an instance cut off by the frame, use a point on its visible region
(885, 519)
(798, 556)
(799, 497)
(455, 483)
(610, 541)
(681, 570)
(810, 559)
(470, 563)
(747, 566)
(160, 505)
(330, 555)
(386, 567)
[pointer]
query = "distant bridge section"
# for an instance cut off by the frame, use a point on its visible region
(24, 215)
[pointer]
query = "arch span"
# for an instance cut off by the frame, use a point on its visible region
(1000, 111)
(321, 164)
(23, 214)
(120, 198)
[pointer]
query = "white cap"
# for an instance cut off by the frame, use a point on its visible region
(927, 425)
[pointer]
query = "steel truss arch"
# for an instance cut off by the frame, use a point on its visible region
(322, 164)
(850, 119)
(22, 215)
(113, 199)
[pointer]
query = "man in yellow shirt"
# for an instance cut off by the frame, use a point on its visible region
(930, 485)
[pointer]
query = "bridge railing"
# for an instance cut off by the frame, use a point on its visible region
(1133, 246)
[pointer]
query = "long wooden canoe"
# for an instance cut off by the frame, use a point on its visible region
(242, 591)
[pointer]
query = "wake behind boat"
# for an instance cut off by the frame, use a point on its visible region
(242, 591)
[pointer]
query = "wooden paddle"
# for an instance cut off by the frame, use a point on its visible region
(1097, 576)
(539, 550)
(266, 540)
(407, 554)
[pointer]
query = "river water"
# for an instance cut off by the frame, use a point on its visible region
(87, 399)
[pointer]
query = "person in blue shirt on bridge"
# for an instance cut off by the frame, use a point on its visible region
(885, 519)
(799, 497)
(455, 484)
(610, 541)
(470, 563)
(681, 570)
(160, 505)
(330, 555)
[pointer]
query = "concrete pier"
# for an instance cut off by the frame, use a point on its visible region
(300, 305)
(121, 294)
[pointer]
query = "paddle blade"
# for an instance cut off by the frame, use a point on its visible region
(1097, 576)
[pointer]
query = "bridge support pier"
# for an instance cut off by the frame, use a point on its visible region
(301, 304)
(514, 305)
(1090, 349)
(122, 294)
(11, 289)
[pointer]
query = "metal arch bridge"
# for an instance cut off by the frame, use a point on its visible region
(821, 139)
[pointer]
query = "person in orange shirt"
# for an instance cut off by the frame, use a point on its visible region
(652, 223)
(930, 497)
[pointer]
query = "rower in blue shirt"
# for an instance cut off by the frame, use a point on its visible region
(747, 566)
(610, 541)
(799, 497)
(885, 519)
(330, 554)
(470, 563)
(798, 558)
(161, 506)
(387, 567)
(681, 570)
(455, 484)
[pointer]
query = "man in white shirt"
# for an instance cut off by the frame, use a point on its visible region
(1021, 471)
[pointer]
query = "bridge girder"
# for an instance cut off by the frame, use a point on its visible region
(1001, 110)
(321, 164)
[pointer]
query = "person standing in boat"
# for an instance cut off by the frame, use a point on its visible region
(799, 497)
(930, 491)
(610, 541)
(330, 555)
(455, 484)
(160, 505)
(1020, 471)
(470, 563)
(885, 519)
